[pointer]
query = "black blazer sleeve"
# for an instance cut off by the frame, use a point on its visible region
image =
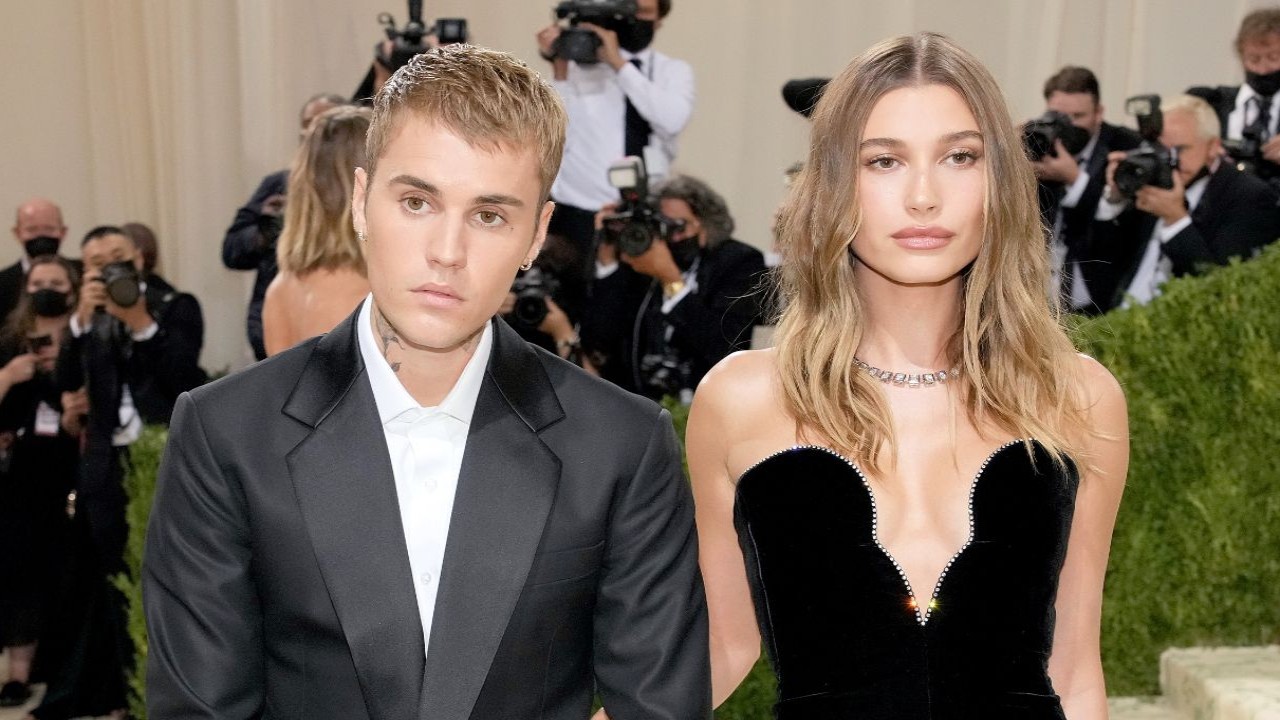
(168, 364)
(1078, 222)
(1239, 217)
(242, 248)
(207, 662)
(651, 647)
(717, 319)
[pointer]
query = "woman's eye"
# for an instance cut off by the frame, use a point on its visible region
(883, 163)
(963, 157)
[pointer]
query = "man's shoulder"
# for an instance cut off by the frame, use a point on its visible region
(1233, 186)
(263, 385)
(582, 394)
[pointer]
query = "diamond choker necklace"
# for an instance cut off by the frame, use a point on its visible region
(890, 377)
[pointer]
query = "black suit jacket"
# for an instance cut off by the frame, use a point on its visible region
(277, 582)
(1099, 265)
(244, 249)
(706, 326)
(1235, 217)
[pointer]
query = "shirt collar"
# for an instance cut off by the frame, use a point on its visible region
(393, 400)
(1196, 191)
(1089, 147)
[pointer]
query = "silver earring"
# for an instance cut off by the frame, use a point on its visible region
(527, 264)
(360, 235)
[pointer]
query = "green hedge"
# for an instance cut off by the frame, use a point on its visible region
(1196, 555)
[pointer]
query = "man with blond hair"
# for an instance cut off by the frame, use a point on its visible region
(419, 515)
(1213, 212)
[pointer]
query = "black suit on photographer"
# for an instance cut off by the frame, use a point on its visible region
(657, 321)
(1209, 213)
(623, 98)
(1249, 114)
(134, 349)
(250, 242)
(1071, 163)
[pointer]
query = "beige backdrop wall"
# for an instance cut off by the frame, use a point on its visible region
(170, 111)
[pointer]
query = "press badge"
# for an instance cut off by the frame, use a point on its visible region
(47, 420)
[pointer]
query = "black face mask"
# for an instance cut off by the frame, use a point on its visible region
(636, 35)
(43, 245)
(1265, 85)
(684, 251)
(48, 302)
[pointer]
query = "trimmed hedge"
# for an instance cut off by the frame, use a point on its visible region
(1196, 555)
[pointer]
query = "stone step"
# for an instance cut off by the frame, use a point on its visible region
(1223, 683)
(1135, 708)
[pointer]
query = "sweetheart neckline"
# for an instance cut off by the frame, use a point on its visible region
(922, 614)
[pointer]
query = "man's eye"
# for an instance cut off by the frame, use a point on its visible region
(415, 204)
(489, 218)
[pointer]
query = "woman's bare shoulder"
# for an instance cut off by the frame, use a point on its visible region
(740, 380)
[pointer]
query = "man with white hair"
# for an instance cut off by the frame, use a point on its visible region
(1212, 213)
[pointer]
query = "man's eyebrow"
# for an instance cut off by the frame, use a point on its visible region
(416, 182)
(426, 187)
(500, 199)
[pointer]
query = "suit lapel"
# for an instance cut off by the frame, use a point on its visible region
(505, 492)
(346, 491)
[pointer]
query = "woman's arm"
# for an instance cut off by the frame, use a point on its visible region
(1076, 663)
(735, 636)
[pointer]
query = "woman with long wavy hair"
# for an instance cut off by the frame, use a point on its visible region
(322, 273)
(911, 497)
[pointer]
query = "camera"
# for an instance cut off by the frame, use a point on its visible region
(580, 44)
(637, 221)
(407, 42)
(665, 374)
(1040, 134)
(124, 287)
(532, 288)
(1151, 163)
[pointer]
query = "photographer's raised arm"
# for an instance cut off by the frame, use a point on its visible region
(666, 100)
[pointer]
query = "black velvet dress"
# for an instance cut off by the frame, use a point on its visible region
(843, 631)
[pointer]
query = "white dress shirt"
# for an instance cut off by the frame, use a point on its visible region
(1154, 268)
(1247, 111)
(595, 98)
(426, 446)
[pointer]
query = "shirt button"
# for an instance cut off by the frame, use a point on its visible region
(425, 578)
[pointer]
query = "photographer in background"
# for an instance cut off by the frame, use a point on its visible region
(1249, 114)
(38, 228)
(657, 321)
(626, 99)
(1211, 213)
(250, 242)
(1071, 184)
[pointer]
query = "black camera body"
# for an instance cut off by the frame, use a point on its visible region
(532, 288)
(1040, 135)
(580, 44)
(408, 41)
(124, 286)
(637, 220)
(665, 374)
(1151, 163)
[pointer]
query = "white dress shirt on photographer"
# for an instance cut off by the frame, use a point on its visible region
(595, 98)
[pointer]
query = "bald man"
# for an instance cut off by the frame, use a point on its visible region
(38, 228)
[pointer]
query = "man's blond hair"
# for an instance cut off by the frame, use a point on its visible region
(1207, 124)
(488, 98)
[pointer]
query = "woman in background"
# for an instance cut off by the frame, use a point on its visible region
(322, 273)
(38, 461)
(911, 497)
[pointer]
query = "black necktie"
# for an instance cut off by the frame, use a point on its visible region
(637, 128)
(1264, 116)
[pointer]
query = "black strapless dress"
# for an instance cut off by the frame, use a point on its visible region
(846, 637)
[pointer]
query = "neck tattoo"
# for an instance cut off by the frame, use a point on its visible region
(387, 335)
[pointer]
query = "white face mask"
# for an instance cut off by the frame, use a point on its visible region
(772, 259)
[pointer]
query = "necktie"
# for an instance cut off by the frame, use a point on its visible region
(1263, 121)
(637, 129)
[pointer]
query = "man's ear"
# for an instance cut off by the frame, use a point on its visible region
(359, 194)
(544, 221)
